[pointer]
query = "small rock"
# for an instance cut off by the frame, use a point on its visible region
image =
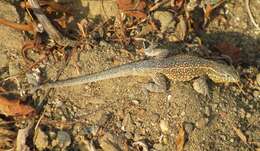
(256, 94)
(128, 124)
(242, 113)
(141, 144)
(41, 140)
(165, 18)
(207, 111)
(14, 68)
(63, 139)
(202, 123)
(164, 125)
(109, 142)
(223, 137)
(103, 43)
(188, 127)
(232, 140)
(248, 115)
(155, 117)
(159, 146)
(93, 130)
(135, 102)
(86, 145)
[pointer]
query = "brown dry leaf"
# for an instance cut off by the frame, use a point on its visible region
(133, 8)
(230, 50)
(208, 10)
(210, 7)
(240, 134)
(23, 27)
(180, 139)
(14, 108)
(178, 3)
(51, 6)
(21, 138)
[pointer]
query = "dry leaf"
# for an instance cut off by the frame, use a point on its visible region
(178, 3)
(21, 138)
(240, 134)
(230, 50)
(180, 139)
(14, 108)
(133, 8)
(208, 10)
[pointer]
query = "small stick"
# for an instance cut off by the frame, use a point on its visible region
(48, 27)
(251, 15)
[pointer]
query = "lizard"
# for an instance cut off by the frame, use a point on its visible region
(175, 68)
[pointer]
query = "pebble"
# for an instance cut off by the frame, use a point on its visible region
(207, 111)
(188, 127)
(41, 140)
(202, 123)
(256, 94)
(109, 142)
(63, 139)
(242, 113)
(13, 68)
(223, 137)
(155, 117)
(164, 125)
(128, 124)
(248, 115)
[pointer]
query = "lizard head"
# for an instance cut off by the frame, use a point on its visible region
(221, 73)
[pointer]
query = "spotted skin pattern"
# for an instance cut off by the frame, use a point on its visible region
(176, 68)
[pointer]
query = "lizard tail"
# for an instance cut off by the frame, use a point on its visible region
(133, 69)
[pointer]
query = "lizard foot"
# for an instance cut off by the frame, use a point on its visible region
(152, 51)
(159, 84)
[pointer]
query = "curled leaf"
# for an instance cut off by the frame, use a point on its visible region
(14, 107)
(133, 8)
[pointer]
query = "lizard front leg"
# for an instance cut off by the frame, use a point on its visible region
(159, 84)
(152, 51)
(156, 52)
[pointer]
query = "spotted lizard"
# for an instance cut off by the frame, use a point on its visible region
(176, 68)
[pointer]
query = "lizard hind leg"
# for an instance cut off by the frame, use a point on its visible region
(159, 84)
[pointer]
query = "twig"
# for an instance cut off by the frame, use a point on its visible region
(251, 15)
(157, 5)
(48, 27)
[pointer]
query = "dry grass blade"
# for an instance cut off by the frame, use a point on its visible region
(7, 137)
(48, 27)
(6, 132)
(240, 134)
(180, 139)
(23, 27)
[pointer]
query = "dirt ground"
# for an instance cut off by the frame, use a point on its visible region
(125, 116)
